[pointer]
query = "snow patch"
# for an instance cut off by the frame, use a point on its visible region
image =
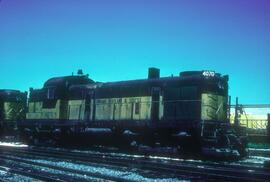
(264, 150)
(13, 144)
(129, 175)
(256, 159)
(2, 172)
(98, 130)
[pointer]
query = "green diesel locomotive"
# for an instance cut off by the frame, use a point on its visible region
(12, 109)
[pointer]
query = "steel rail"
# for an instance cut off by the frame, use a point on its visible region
(73, 159)
(214, 172)
(176, 161)
(112, 163)
(254, 152)
(26, 172)
(69, 170)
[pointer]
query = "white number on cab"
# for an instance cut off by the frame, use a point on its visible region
(208, 73)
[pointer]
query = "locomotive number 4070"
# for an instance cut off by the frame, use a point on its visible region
(208, 73)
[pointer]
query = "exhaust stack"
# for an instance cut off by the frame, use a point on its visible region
(153, 73)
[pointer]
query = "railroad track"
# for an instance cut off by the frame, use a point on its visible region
(259, 152)
(37, 170)
(22, 156)
(62, 173)
(21, 165)
(92, 155)
(27, 172)
(176, 169)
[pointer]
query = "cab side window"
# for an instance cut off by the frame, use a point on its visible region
(51, 93)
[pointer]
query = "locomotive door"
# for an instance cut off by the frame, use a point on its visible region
(155, 104)
(89, 106)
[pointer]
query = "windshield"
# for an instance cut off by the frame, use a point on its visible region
(213, 107)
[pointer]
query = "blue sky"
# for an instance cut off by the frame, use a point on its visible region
(119, 39)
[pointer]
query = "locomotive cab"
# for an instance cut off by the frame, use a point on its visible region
(53, 109)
